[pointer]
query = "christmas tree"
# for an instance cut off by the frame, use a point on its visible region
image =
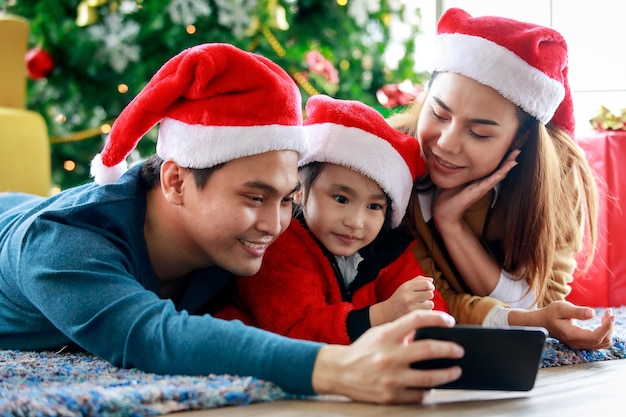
(90, 58)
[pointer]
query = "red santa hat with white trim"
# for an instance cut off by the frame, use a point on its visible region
(355, 135)
(525, 62)
(215, 103)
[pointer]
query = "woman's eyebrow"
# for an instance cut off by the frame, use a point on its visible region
(441, 103)
(476, 120)
(485, 122)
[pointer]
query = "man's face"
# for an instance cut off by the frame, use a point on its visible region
(243, 208)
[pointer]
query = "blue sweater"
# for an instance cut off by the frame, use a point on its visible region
(74, 268)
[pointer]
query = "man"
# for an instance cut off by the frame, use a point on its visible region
(127, 268)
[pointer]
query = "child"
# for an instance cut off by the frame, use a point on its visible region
(344, 264)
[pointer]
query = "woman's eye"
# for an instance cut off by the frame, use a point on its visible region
(436, 116)
(476, 135)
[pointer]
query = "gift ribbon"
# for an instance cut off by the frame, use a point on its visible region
(606, 120)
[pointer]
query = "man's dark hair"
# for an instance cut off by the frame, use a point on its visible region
(151, 173)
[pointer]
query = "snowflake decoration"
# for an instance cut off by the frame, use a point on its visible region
(360, 10)
(236, 14)
(187, 12)
(128, 6)
(118, 39)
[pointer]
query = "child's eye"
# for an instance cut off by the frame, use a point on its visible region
(340, 199)
(375, 206)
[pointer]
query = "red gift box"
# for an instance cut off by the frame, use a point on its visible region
(604, 284)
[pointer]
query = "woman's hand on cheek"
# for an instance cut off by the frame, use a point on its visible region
(450, 204)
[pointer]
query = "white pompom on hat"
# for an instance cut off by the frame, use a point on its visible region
(525, 62)
(354, 135)
(215, 103)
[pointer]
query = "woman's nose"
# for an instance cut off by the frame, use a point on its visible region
(449, 141)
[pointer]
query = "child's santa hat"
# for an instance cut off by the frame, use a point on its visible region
(215, 103)
(354, 135)
(524, 62)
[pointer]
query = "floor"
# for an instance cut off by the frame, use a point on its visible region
(595, 388)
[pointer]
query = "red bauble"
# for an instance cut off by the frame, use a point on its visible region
(39, 63)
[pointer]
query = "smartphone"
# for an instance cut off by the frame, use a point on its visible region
(495, 359)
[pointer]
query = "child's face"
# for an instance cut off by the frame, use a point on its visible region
(344, 209)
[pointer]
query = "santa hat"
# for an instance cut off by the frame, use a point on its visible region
(525, 62)
(354, 135)
(215, 103)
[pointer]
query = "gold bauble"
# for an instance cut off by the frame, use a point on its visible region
(86, 15)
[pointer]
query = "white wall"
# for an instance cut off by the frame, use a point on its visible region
(595, 31)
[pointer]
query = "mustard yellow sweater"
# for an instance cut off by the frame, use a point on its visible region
(431, 254)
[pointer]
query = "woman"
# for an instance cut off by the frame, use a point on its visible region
(501, 215)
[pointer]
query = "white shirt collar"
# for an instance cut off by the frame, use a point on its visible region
(348, 265)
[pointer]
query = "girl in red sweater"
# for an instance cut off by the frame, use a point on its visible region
(345, 263)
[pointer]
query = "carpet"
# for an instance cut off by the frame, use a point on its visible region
(76, 384)
(556, 353)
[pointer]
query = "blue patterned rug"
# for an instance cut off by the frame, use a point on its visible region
(74, 384)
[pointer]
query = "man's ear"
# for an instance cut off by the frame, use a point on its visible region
(172, 180)
(298, 197)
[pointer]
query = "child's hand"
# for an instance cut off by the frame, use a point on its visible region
(415, 294)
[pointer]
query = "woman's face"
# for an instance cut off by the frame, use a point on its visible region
(465, 129)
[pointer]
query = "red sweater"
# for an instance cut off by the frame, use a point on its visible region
(299, 292)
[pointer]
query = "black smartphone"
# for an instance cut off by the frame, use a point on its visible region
(495, 359)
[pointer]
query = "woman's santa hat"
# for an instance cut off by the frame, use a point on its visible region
(525, 62)
(215, 103)
(354, 135)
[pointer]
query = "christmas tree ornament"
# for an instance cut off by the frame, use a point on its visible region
(86, 15)
(39, 63)
(96, 3)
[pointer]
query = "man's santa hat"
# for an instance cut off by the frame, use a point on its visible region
(525, 62)
(215, 103)
(354, 135)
